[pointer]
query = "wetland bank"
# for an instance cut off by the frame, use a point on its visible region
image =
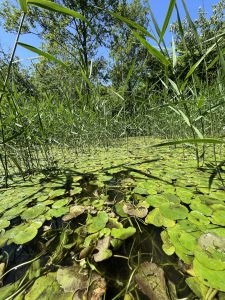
(112, 167)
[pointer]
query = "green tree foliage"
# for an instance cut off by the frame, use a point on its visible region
(191, 48)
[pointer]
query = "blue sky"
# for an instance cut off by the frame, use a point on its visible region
(159, 8)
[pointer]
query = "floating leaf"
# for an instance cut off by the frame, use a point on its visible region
(56, 193)
(199, 289)
(33, 212)
(198, 218)
(197, 205)
(123, 233)
(75, 191)
(57, 212)
(75, 211)
(4, 223)
(46, 287)
(151, 281)
(174, 211)
(211, 278)
(156, 200)
(25, 236)
(156, 218)
(139, 210)
(218, 217)
(119, 209)
(167, 246)
(97, 223)
(103, 251)
(60, 203)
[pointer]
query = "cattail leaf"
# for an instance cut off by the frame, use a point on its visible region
(186, 119)
(175, 87)
(57, 8)
(42, 53)
(222, 61)
(167, 19)
(156, 53)
(23, 5)
(86, 78)
(192, 69)
(131, 24)
(198, 132)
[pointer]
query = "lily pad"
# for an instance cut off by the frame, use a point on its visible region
(4, 223)
(218, 217)
(199, 289)
(211, 278)
(61, 203)
(25, 236)
(97, 223)
(33, 212)
(56, 193)
(198, 218)
(139, 210)
(54, 212)
(197, 205)
(156, 200)
(167, 246)
(103, 249)
(123, 233)
(156, 218)
(174, 211)
(74, 212)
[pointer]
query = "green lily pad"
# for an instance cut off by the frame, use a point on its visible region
(61, 203)
(184, 194)
(167, 246)
(218, 217)
(156, 200)
(156, 218)
(4, 223)
(46, 287)
(56, 193)
(171, 198)
(14, 212)
(174, 211)
(123, 233)
(97, 223)
(25, 236)
(33, 212)
(198, 218)
(211, 278)
(199, 289)
(197, 205)
(56, 212)
(76, 190)
(119, 209)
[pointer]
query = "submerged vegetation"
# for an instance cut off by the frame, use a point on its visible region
(112, 168)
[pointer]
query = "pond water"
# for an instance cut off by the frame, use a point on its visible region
(127, 222)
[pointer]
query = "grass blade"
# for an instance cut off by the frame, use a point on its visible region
(152, 49)
(57, 8)
(131, 24)
(192, 69)
(42, 53)
(23, 5)
(167, 19)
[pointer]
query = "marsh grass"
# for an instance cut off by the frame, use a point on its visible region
(184, 108)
